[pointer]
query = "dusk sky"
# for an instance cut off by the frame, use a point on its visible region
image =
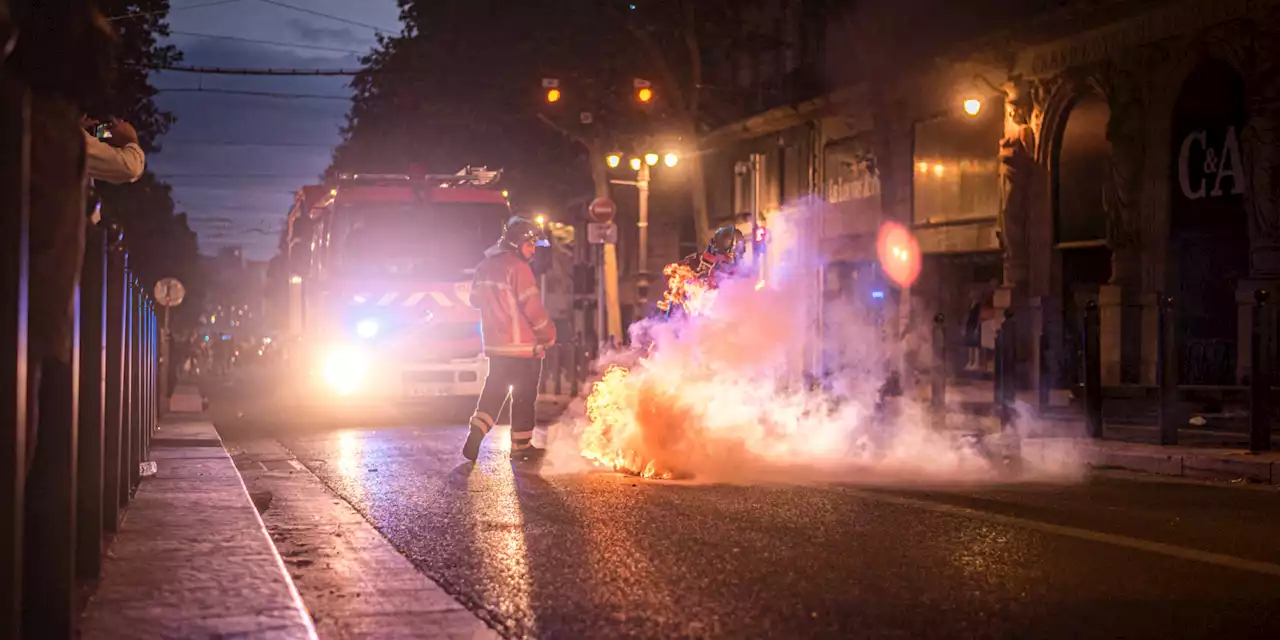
(235, 160)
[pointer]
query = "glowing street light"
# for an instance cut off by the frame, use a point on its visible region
(505, 193)
(644, 95)
(671, 159)
(613, 160)
(541, 220)
(972, 106)
(651, 159)
(635, 164)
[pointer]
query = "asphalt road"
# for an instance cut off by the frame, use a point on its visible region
(596, 555)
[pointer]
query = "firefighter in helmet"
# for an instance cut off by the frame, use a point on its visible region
(719, 261)
(516, 330)
(722, 255)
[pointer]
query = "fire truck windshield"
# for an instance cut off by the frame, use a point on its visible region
(436, 241)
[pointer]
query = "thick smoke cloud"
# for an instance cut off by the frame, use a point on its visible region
(729, 397)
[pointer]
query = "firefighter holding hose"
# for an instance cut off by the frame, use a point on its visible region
(517, 330)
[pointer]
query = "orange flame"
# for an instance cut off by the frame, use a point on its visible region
(685, 288)
(612, 439)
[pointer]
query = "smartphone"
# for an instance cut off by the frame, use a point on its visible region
(102, 131)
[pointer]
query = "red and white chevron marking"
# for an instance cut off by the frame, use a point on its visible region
(459, 297)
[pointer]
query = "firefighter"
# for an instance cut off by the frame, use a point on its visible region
(720, 260)
(517, 331)
(722, 255)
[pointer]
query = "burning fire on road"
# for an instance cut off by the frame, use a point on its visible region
(726, 392)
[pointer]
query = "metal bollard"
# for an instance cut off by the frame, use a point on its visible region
(997, 378)
(1009, 371)
(1093, 370)
(15, 176)
(575, 373)
(1044, 380)
(1260, 380)
(938, 379)
(116, 372)
(1166, 371)
(91, 436)
(559, 370)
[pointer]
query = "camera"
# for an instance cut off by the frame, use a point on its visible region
(102, 131)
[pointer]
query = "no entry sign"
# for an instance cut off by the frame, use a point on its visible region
(601, 210)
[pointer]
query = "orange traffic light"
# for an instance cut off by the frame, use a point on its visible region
(645, 94)
(553, 95)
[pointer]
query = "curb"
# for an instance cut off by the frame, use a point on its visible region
(1192, 463)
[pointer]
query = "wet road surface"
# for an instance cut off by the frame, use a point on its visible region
(595, 555)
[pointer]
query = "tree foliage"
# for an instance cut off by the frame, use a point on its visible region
(160, 241)
(459, 87)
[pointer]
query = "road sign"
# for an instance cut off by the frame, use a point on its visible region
(602, 233)
(170, 292)
(602, 210)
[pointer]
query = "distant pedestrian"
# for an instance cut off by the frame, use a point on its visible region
(517, 331)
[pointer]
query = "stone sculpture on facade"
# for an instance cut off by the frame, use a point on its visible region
(1017, 168)
(1122, 193)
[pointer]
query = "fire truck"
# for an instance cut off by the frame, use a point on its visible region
(380, 276)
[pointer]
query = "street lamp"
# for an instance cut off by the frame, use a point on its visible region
(641, 165)
(541, 220)
(972, 106)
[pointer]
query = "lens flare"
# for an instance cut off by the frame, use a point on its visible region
(899, 254)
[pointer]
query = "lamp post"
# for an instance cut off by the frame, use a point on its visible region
(641, 183)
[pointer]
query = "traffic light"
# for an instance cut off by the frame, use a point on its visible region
(643, 91)
(552, 87)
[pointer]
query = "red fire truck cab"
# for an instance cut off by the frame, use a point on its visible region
(381, 299)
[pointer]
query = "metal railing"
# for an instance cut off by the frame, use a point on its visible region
(565, 369)
(1259, 389)
(72, 467)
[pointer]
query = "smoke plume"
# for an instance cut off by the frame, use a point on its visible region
(749, 392)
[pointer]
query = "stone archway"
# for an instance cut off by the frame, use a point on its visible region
(1079, 173)
(1208, 224)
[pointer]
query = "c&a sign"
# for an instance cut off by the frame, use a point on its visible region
(1209, 166)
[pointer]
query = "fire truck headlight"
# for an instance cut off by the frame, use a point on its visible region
(367, 328)
(344, 370)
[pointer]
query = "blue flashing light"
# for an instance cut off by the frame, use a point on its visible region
(367, 328)
(878, 295)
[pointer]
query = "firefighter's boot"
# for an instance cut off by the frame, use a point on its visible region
(480, 425)
(529, 454)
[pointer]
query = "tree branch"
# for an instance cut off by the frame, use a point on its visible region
(695, 59)
(564, 132)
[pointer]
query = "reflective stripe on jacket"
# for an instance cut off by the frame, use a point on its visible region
(512, 318)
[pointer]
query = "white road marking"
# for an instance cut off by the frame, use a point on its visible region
(414, 299)
(1174, 551)
(442, 299)
(386, 299)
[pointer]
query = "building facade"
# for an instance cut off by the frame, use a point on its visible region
(1122, 157)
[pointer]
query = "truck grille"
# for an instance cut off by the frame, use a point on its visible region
(438, 377)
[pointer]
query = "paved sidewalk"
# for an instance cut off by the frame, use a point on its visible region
(1191, 462)
(192, 559)
(354, 582)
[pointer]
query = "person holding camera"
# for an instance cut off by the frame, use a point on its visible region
(112, 153)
